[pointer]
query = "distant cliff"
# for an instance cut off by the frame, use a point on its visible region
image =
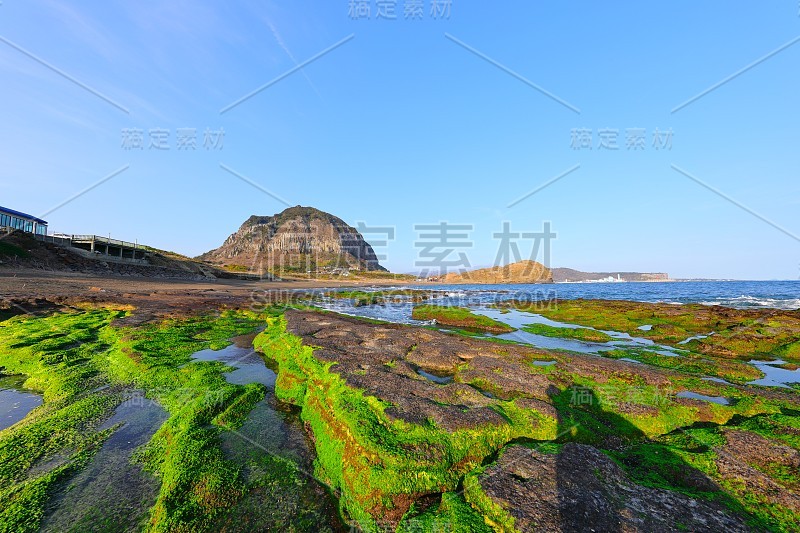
(521, 272)
(297, 239)
(561, 275)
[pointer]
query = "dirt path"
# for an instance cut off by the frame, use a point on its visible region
(29, 290)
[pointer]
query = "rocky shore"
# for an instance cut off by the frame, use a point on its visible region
(532, 440)
(414, 428)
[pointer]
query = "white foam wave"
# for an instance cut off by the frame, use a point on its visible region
(749, 302)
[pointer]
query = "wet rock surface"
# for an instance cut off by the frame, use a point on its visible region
(383, 359)
(760, 451)
(113, 493)
(748, 458)
(582, 489)
(712, 330)
(630, 412)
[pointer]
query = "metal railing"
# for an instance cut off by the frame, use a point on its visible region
(103, 240)
(53, 239)
(88, 239)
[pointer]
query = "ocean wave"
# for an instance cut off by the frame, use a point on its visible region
(784, 295)
(750, 302)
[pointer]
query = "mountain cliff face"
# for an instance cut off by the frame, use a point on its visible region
(520, 272)
(298, 239)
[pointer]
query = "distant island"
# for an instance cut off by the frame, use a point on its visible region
(520, 272)
(524, 272)
(567, 275)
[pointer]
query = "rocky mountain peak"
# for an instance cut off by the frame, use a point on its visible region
(296, 239)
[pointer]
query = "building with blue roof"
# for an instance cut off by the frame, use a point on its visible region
(16, 220)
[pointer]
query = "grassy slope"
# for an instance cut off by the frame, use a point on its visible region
(9, 250)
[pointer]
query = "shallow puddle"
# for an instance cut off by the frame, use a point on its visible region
(774, 376)
(669, 353)
(248, 365)
(401, 313)
(397, 312)
(556, 343)
(697, 396)
(695, 338)
(666, 352)
(440, 380)
(111, 493)
(276, 458)
(716, 380)
(15, 400)
(484, 392)
(518, 319)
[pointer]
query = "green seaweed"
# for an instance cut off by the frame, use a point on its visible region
(381, 468)
(372, 460)
(72, 358)
(453, 513)
(459, 317)
(583, 334)
(736, 333)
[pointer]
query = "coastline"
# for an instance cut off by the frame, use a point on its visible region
(444, 383)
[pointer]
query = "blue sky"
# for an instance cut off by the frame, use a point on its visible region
(401, 125)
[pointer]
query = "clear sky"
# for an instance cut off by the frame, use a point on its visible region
(416, 121)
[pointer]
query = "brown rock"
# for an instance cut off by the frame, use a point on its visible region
(297, 238)
(582, 489)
